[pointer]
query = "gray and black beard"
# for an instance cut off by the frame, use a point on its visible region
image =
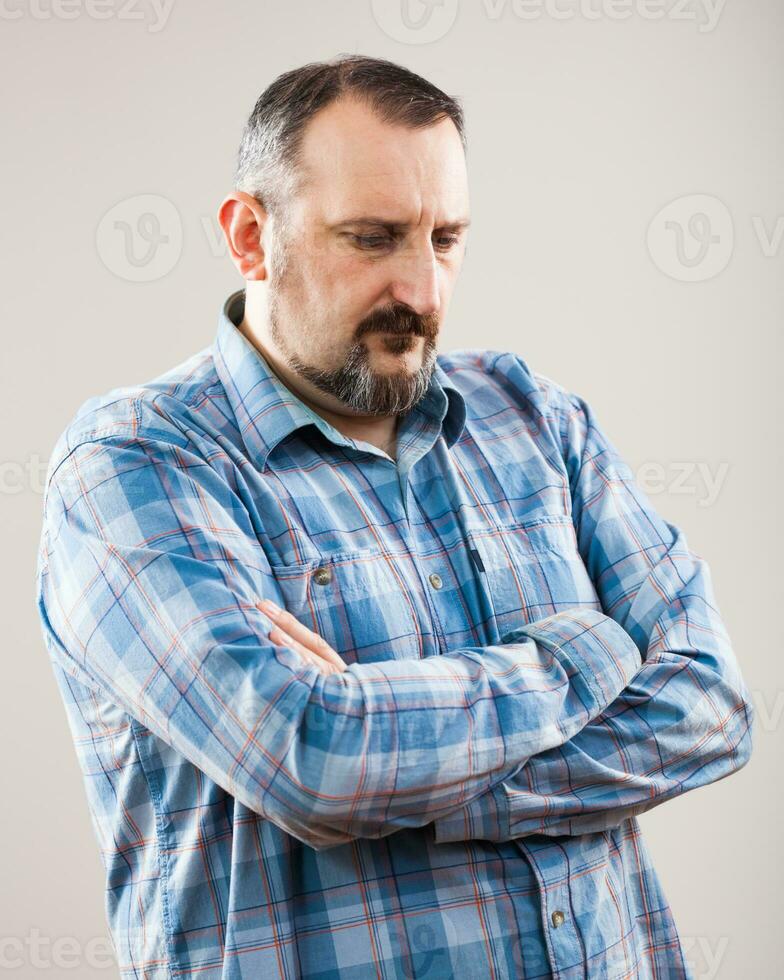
(356, 384)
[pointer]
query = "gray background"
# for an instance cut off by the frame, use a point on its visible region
(582, 128)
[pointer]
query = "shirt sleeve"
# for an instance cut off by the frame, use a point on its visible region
(150, 576)
(686, 717)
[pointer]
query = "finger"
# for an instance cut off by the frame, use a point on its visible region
(280, 636)
(277, 635)
(310, 658)
(307, 637)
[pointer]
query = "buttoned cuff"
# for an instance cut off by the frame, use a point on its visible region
(485, 818)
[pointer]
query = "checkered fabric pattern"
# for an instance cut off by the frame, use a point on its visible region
(535, 657)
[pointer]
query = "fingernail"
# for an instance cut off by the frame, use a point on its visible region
(269, 605)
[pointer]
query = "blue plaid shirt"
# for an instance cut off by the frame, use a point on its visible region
(535, 657)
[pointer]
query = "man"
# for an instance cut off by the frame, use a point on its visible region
(490, 653)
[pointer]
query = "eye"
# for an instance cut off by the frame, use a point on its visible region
(445, 242)
(371, 242)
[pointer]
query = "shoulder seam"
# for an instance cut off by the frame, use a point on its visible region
(136, 425)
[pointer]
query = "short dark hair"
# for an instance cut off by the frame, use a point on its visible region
(271, 141)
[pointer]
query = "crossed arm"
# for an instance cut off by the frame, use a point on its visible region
(148, 592)
(684, 719)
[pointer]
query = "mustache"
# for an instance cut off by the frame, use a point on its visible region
(400, 320)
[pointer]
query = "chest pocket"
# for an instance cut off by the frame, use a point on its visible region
(357, 601)
(532, 569)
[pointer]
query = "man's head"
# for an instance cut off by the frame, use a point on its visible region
(348, 223)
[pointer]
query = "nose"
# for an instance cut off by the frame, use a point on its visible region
(416, 281)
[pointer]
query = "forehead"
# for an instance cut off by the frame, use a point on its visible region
(352, 161)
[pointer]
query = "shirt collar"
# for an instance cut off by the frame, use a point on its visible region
(267, 411)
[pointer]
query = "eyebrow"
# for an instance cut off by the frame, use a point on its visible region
(378, 222)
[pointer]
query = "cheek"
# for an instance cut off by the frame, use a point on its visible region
(355, 288)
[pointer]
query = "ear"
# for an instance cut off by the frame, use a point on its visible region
(242, 219)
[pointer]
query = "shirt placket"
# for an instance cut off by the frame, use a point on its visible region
(416, 440)
(562, 937)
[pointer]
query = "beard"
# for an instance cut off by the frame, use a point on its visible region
(355, 383)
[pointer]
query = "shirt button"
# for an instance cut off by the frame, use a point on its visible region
(435, 581)
(558, 918)
(322, 575)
